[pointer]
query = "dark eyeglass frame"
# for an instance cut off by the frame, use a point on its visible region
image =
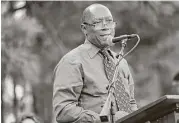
(89, 24)
(95, 25)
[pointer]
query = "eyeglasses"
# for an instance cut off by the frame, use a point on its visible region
(100, 24)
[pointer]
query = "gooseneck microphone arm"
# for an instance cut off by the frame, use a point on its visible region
(124, 43)
(121, 56)
(107, 113)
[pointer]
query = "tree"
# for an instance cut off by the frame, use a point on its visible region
(33, 45)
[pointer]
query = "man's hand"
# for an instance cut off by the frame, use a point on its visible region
(119, 115)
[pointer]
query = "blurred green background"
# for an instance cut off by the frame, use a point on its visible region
(35, 35)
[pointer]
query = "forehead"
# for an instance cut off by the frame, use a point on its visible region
(98, 13)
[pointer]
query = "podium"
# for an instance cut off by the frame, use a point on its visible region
(163, 110)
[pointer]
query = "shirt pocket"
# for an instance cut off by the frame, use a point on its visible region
(95, 88)
(100, 89)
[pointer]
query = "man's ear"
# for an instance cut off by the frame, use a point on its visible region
(84, 29)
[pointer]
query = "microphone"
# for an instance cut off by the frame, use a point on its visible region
(122, 37)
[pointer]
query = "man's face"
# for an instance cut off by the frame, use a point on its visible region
(102, 33)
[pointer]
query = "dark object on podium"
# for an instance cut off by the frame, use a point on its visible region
(163, 110)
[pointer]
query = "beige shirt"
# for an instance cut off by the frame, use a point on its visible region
(80, 85)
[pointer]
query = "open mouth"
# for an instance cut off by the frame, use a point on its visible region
(104, 37)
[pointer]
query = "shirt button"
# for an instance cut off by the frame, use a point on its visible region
(104, 100)
(107, 87)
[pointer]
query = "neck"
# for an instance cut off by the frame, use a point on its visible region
(98, 45)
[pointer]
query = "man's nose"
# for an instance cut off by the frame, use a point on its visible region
(104, 25)
(104, 22)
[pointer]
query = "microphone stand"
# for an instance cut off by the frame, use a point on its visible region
(107, 113)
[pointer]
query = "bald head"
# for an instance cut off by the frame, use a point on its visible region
(95, 11)
(98, 26)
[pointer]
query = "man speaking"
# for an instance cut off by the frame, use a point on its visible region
(83, 75)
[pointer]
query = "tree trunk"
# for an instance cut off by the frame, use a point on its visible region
(2, 101)
(15, 104)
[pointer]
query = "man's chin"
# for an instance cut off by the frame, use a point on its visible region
(105, 38)
(106, 41)
(107, 44)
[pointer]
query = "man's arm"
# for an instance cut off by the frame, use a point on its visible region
(131, 89)
(68, 84)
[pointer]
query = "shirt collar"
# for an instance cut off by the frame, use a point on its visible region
(93, 50)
